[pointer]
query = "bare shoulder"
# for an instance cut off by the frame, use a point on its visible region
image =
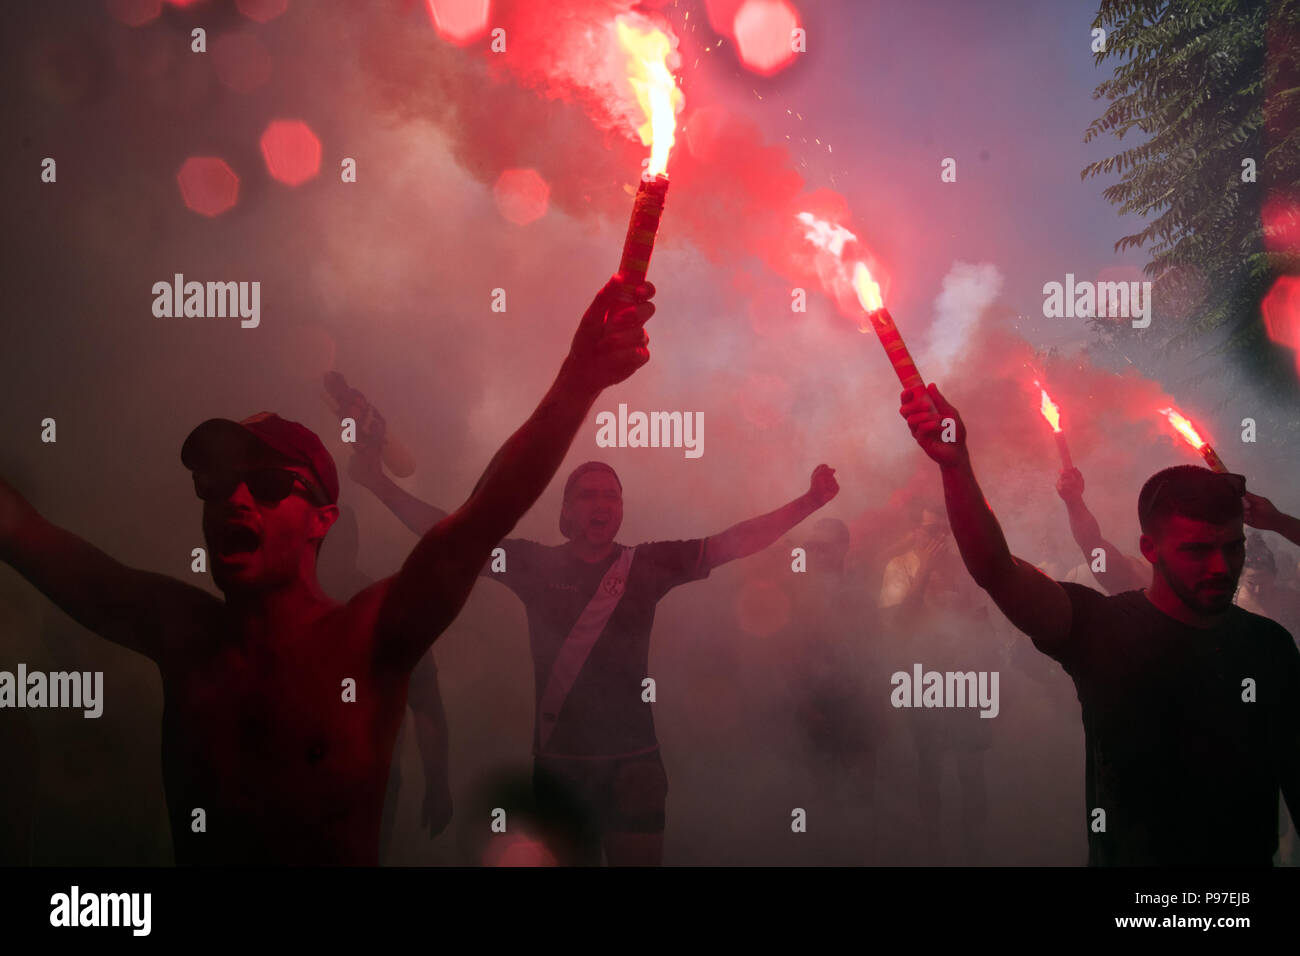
(187, 618)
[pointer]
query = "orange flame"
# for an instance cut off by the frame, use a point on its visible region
(656, 91)
(831, 238)
(867, 288)
(1050, 410)
(1184, 428)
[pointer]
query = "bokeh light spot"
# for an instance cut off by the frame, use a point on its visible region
(460, 21)
(522, 195)
(722, 15)
(291, 151)
(208, 185)
(520, 849)
(1281, 310)
(262, 11)
(1280, 218)
(134, 13)
(764, 35)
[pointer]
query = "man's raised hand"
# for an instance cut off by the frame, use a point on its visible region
(931, 425)
(823, 486)
(1069, 485)
(611, 343)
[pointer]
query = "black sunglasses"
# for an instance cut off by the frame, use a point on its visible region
(270, 485)
(1236, 482)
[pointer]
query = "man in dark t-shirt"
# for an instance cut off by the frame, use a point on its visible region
(1191, 705)
(591, 605)
(1184, 765)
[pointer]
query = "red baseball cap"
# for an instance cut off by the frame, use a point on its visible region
(222, 442)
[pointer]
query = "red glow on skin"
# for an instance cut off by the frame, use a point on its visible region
(183, 3)
(262, 11)
(459, 21)
(764, 38)
(241, 61)
(1281, 311)
(134, 13)
(522, 195)
(291, 151)
(208, 185)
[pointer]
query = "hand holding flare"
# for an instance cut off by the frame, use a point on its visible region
(1053, 415)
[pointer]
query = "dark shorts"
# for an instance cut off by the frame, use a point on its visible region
(602, 795)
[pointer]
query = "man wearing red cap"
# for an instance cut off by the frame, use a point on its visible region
(591, 604)
(281, 704)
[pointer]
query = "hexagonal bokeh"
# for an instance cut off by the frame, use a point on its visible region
(460, 21)
(134, 13)
(722, 15)
(291, 151)
(1281, 310)
(522, 195)
(262, 11)
(764, 33)
(208, 185)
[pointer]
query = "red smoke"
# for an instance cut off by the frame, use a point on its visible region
(556, 102)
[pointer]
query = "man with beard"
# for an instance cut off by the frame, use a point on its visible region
(1190, 705)
(281, 704)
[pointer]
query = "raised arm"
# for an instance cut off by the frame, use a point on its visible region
(367, 469)
(1031, 600)
(138, 609)
(1264, 515)
(430, 589)
(751, 536)
(1120, 575)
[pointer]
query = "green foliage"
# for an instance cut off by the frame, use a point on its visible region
(1205, 84)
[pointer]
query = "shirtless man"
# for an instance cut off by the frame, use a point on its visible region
(281, 704)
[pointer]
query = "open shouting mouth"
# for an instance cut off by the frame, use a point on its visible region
(237, 539)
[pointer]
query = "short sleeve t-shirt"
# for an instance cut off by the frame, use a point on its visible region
(603, 714)
(1185, 766)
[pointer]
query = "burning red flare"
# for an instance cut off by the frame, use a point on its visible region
(1049, 409)
(1189, 434)
(1053, 415)
(650, 54)
(649, 51)
(832, 239)
(1184, 428)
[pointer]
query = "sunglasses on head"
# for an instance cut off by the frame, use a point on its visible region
(1236, 482)
(269, 485)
